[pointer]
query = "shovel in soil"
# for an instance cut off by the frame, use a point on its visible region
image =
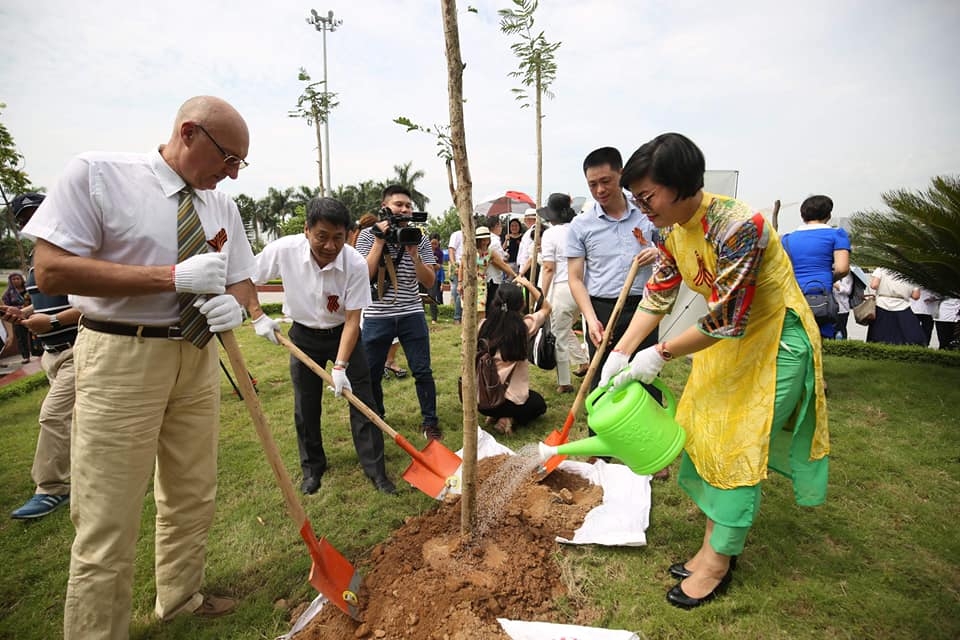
(331, 574)
(433, 470)
(556, 438)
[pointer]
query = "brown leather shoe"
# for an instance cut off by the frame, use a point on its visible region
(215, 606)
(565, 388)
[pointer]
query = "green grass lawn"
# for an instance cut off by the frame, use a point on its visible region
(878, 560)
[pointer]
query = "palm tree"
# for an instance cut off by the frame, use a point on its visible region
(404, 178)
(919, 237)
(360, 198)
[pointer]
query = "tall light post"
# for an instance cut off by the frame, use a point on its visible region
(324, 24)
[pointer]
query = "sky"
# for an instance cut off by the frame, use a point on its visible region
(841, 97)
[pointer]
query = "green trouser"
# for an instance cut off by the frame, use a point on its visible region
(794, 420)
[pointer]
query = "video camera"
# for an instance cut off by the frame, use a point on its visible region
(400, 235)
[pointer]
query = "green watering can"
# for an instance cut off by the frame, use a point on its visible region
(631, 426)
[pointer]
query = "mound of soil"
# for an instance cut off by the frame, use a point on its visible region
(426, 583)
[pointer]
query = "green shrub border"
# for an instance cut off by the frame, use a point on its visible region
(23, 386)
(877, 351)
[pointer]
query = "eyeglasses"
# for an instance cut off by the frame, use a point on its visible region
(643, 200)
(228, 158)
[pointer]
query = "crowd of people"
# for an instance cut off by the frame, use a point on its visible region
(156, 263)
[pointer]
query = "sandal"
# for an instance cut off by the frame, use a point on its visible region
(504, 426)
(390, 367)
(490, 421)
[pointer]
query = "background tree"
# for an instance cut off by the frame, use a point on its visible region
(918, 237)
(445, 147)
(464, 202)
(361, 198)
(13, 181)
(404, 176)
(537, 67)
(314, 106)
(445, 225)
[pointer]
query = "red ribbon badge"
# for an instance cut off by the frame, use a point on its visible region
(217, 241)
(333, 304)
(638, 234)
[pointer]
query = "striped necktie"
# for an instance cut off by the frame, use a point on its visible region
(190, 241)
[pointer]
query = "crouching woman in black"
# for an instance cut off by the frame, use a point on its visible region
(506, 332)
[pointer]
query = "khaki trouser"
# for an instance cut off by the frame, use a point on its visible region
(51, 462)
(565, 313)
(141, 402)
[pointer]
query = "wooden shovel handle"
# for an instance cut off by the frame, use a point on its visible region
(607, 335)
(320, 371)
(250, 398)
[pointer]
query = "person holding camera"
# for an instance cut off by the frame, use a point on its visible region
(399, 259)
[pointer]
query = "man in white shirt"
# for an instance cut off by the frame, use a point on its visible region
(556, 289)
(456, 249)
(494, 275)
(326, 287)
(526, 242)
(147, 398)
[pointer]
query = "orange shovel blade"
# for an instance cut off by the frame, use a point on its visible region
(555, 439)
(331, 574)
(431, 469)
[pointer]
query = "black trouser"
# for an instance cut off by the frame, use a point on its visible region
(321, 345)
(534, 407)
(23, 340)
(603, 307)
(926, 323)
(948, 335)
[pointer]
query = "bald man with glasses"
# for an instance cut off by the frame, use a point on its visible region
(114, 234)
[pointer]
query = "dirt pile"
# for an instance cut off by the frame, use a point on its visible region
(425, 583)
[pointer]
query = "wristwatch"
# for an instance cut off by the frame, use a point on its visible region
(54, 323)
(341, 363)
(664, 352)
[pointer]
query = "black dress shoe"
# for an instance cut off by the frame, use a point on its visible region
(310, 485)
(678, 598)
(384, 485)
(680, 571)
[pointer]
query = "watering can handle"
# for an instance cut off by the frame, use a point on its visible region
(669, 400)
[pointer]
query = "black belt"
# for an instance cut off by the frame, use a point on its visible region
(634, 300)
(322, 332)
(139, 330)
(57, 348)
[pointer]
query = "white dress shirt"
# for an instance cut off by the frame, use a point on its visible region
(122, 208)
(313, 296)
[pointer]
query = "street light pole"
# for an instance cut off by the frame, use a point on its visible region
(324, 24)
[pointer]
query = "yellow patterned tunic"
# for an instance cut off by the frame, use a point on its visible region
(733, 258)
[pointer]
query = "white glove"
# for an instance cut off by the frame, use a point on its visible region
(340, 381)
(223, 312)
(616, 360)
(644, 367)
(267, 327)
(202, 273)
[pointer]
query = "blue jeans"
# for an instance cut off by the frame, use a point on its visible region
(457, 306)
(411, 329)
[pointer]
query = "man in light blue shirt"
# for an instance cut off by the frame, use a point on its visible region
(601, 245)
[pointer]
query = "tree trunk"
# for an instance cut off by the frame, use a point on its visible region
(539, 225)
(316, 125)
(464, 200)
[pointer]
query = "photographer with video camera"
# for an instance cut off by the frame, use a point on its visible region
(398, 258)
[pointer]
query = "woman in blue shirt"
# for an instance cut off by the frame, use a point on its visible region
(820, 253)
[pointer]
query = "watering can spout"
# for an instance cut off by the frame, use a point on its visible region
(592, 446)
(546, 451)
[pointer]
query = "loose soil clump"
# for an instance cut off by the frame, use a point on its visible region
(425, 583)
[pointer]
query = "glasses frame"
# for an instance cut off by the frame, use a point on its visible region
(228, 158)
(643, 200)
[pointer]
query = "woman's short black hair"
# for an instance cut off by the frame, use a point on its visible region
(327, 210)
(670, 159)
(816, 208)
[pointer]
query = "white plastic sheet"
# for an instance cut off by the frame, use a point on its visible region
(520, 630)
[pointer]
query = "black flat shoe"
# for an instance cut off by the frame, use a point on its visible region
(678, 598)
(310, 485)
(680, 571)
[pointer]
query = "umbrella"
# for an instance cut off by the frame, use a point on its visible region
(501, 203)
